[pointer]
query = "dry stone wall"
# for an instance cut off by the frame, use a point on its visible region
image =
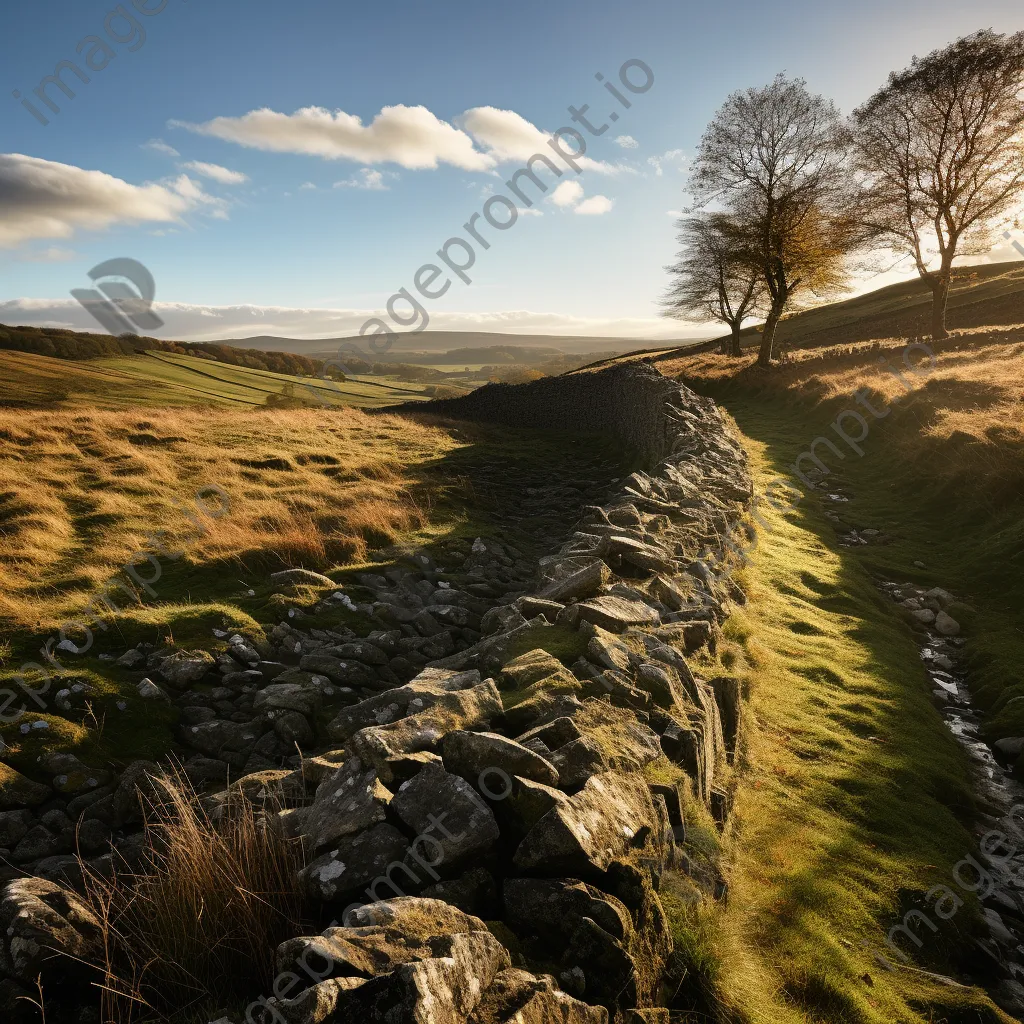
(631, 402)
(480, 816)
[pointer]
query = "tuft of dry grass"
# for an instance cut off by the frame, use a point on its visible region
(197, 925)
(82, 492)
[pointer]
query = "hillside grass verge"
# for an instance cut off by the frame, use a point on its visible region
(852, 802)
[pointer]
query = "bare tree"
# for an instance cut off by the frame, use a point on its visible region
(941, 147)
(777, 157)
(717, 277)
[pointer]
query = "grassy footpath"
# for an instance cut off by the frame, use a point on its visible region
(853, 795)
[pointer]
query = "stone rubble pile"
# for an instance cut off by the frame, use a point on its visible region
(455, 765)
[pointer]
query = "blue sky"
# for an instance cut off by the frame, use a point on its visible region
(277, 247)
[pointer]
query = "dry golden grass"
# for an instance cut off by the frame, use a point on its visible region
(975, 391)
(81, 492)
(199, 923)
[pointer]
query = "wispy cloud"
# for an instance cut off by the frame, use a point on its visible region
(626, 142)
(369, 179)
(222, 174)
(159, 146)
(672, 160)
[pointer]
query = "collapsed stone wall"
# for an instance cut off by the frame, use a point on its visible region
(472, 771)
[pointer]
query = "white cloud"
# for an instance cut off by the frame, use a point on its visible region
(595, 206)
(307, 186)
(627, 142)
(567, 194)
(508, 137)
(216, 172)
(672, 160)
(412, 137)
(45, 199)
(216, 323)
(159, 146)
(368, 179)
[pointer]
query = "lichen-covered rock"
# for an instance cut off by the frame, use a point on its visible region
(482, 758)
(300, 577)
(463, 709)
(612, 815)
(417, 695)
(364, 860)
(350, 800)
(349, 672)
(16, 791)
(617, 614)
(550, 909)
(46, 929)
(183, 668)
(443, 990)
(517, 997)
(450, 819)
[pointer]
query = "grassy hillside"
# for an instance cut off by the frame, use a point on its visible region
(982, 295)
(169, 379)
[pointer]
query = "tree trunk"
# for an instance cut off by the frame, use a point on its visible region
(940, 295)
(737, 348)
(764, 357)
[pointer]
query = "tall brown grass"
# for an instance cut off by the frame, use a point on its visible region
(195, 927)
(81, 492)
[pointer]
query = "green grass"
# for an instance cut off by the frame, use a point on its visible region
(853, 797)
(166, 379)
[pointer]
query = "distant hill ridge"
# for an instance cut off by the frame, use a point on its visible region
(59, 343)
(439, 345)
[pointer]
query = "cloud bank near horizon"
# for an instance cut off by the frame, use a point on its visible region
(187, 322)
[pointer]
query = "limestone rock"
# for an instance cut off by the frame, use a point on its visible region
(451, 820)
(481, 757)
(300, 577)
(45, 928)
(501, 620)
(517, 997)
(367, 859)
(443, 990)
(617, 614)
(417, 695)
(551, 908)
(16, 791)
(462, 709)
(344, 673)
(350, 800)
(183, 668)
(946, 624)
(591, 829)
(582, 583)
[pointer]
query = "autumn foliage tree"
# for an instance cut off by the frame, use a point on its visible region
(776, 158)
(941, 151)
(717, 277)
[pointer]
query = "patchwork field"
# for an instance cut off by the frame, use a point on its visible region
(167, 379)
